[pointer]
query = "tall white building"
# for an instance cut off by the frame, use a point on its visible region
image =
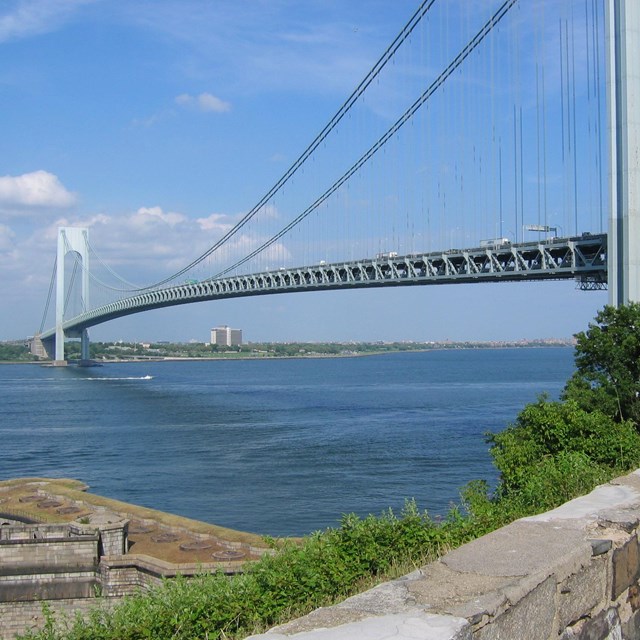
(226, 336)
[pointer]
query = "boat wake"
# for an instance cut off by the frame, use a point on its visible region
(123, 378)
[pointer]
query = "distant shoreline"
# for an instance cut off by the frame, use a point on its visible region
(456, 346)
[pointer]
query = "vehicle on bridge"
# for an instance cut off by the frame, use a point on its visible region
(494, 242)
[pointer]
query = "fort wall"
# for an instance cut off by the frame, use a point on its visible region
(570, 573)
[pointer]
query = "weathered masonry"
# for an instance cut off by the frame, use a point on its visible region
(571, 573)
(70, 565)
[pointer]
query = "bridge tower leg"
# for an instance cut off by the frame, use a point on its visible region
(71, 239)
(623, 92)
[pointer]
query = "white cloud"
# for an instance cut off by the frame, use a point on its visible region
(152, 120)
(24, 18)
(150, 243)
(215, 222)
(205, 102)
(154, 215)
(37, 189)
(142, 246)
(6, 238)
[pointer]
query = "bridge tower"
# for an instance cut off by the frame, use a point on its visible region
(71, 239)
(623, 93)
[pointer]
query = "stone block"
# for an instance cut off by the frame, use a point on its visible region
(605, 626)
(631, 627)
(626, 567)
(598, 546)
(406, 626)
(581, 592)
(532, 617)
(523, 548)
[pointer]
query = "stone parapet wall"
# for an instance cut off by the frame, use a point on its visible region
(113, 539)
(113, 578)
(121, 579)
(62, 586)
(124, 575)
(20, 531)
(19, 617)
(571, 573)
(37, 553)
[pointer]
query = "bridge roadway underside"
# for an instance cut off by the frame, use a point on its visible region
(583, 258)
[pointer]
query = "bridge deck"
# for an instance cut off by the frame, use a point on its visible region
(582, 257)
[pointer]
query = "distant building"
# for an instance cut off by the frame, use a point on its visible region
(36, 347)
(226, 336)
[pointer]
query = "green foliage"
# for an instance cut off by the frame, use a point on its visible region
(299, 576)
(15, 352)
(484, 512)
(555, 480)
(49, 631)
(607, 376)
(546, 429)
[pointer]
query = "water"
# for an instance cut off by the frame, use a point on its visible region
(279, 447)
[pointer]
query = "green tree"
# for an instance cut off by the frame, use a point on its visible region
(11, 351)
(607, 356)
(545, 430)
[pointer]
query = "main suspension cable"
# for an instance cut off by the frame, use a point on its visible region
(347, 105)
(406, 116)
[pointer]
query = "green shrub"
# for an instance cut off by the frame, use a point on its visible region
(553, 481)
(546, 429)
(300, 576)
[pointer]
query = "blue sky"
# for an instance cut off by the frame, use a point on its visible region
(157, 123)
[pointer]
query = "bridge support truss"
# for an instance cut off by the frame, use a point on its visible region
(582, 258)
(623, 34)
(71, 239)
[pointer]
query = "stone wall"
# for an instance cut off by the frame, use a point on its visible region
(65, 567)
(21, 531)
(19, 617)
(124, 575)
(113, 539)
(48, 553)
(571, 573)
(42, 562)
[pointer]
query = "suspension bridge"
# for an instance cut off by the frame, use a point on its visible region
(492, 141)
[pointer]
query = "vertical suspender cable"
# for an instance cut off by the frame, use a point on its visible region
(599, 116)
(51, 286)
(575, 140)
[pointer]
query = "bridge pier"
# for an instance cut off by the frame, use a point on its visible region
(84, 347)
(623, 91)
